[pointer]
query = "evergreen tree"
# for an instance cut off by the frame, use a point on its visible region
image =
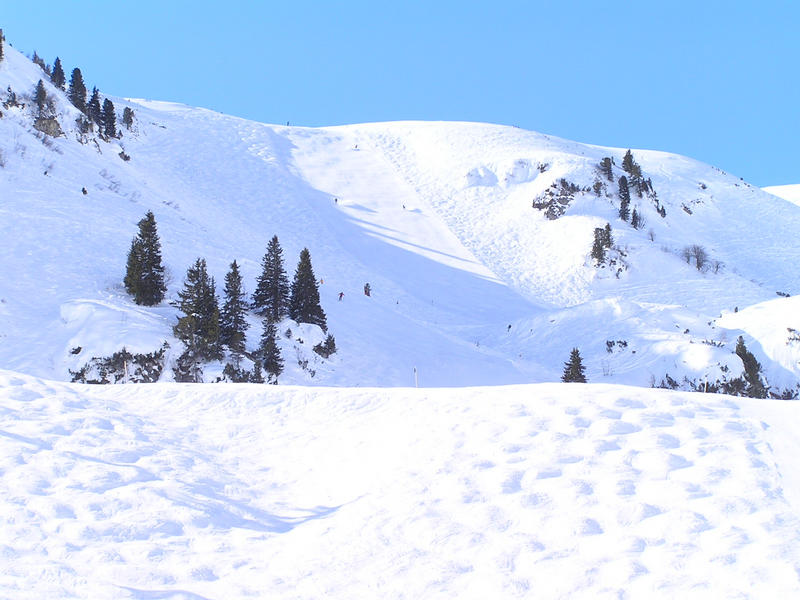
(232, 322)
(600, 245)
(133, 268)
(77, 90)
(304, 306)
(93, 110)
(57, 77)
(199, 328)
(2, 40)
(628, 162)
(38, 60)
(624, 199)
(109, 118)
(144, 276)
(636, 220)
(40, 97)
(268, 351)
(573, 369)
(255, 375)
(752, 370)
(271, 297)
(127, 117)
(605, 167)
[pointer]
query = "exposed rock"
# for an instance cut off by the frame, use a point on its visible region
(48, 126)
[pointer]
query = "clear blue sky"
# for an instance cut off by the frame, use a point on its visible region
(717, 81)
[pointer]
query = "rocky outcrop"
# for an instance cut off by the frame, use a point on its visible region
(48, 126)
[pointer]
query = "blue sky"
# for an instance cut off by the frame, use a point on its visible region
(718, 82)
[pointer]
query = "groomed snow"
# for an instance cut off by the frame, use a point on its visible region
(547, 491)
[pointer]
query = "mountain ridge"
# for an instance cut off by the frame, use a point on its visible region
(468, 278)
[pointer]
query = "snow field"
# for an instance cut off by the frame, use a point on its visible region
(211, 491)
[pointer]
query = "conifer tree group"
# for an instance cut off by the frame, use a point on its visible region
(602, 242)
(144, 275)
(208, 331)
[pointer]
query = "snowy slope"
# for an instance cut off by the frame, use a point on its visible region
(547, 491)
(787, 192)
(436, 216)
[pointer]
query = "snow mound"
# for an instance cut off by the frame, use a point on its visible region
(207, 491)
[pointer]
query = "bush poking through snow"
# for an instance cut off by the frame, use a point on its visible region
(326, 348)
(122, 367)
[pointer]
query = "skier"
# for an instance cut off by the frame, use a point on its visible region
(367, 289)
(341, 295)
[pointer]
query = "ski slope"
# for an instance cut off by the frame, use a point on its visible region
(548, 491)
(471, 285)
(344, 481)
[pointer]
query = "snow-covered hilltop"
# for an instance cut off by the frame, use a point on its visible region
(490, 253)
(476, 241)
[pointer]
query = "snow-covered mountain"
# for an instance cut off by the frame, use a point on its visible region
(470, 283)
(341, 490)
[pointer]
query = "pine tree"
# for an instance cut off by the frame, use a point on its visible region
(93, 110)
(127, 117)
(133, 268)
(304, 306)
(573, 369)
(624, 199)
(752, 370)
(40, 97)
(271, 297)
(628, 162)
(109, 118)
(77, 90)
(38, 60)
(599, 245)
(57, 77)
(605, 167)
(268, 351)
(232, 321)
(636, 219)
(199, 328)
(144, 276)
(255, 375)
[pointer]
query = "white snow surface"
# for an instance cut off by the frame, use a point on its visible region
(353, 484)
(180, 491)
(787, 192)
(470, 284)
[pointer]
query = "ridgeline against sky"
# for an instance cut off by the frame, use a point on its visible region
(714, 82)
